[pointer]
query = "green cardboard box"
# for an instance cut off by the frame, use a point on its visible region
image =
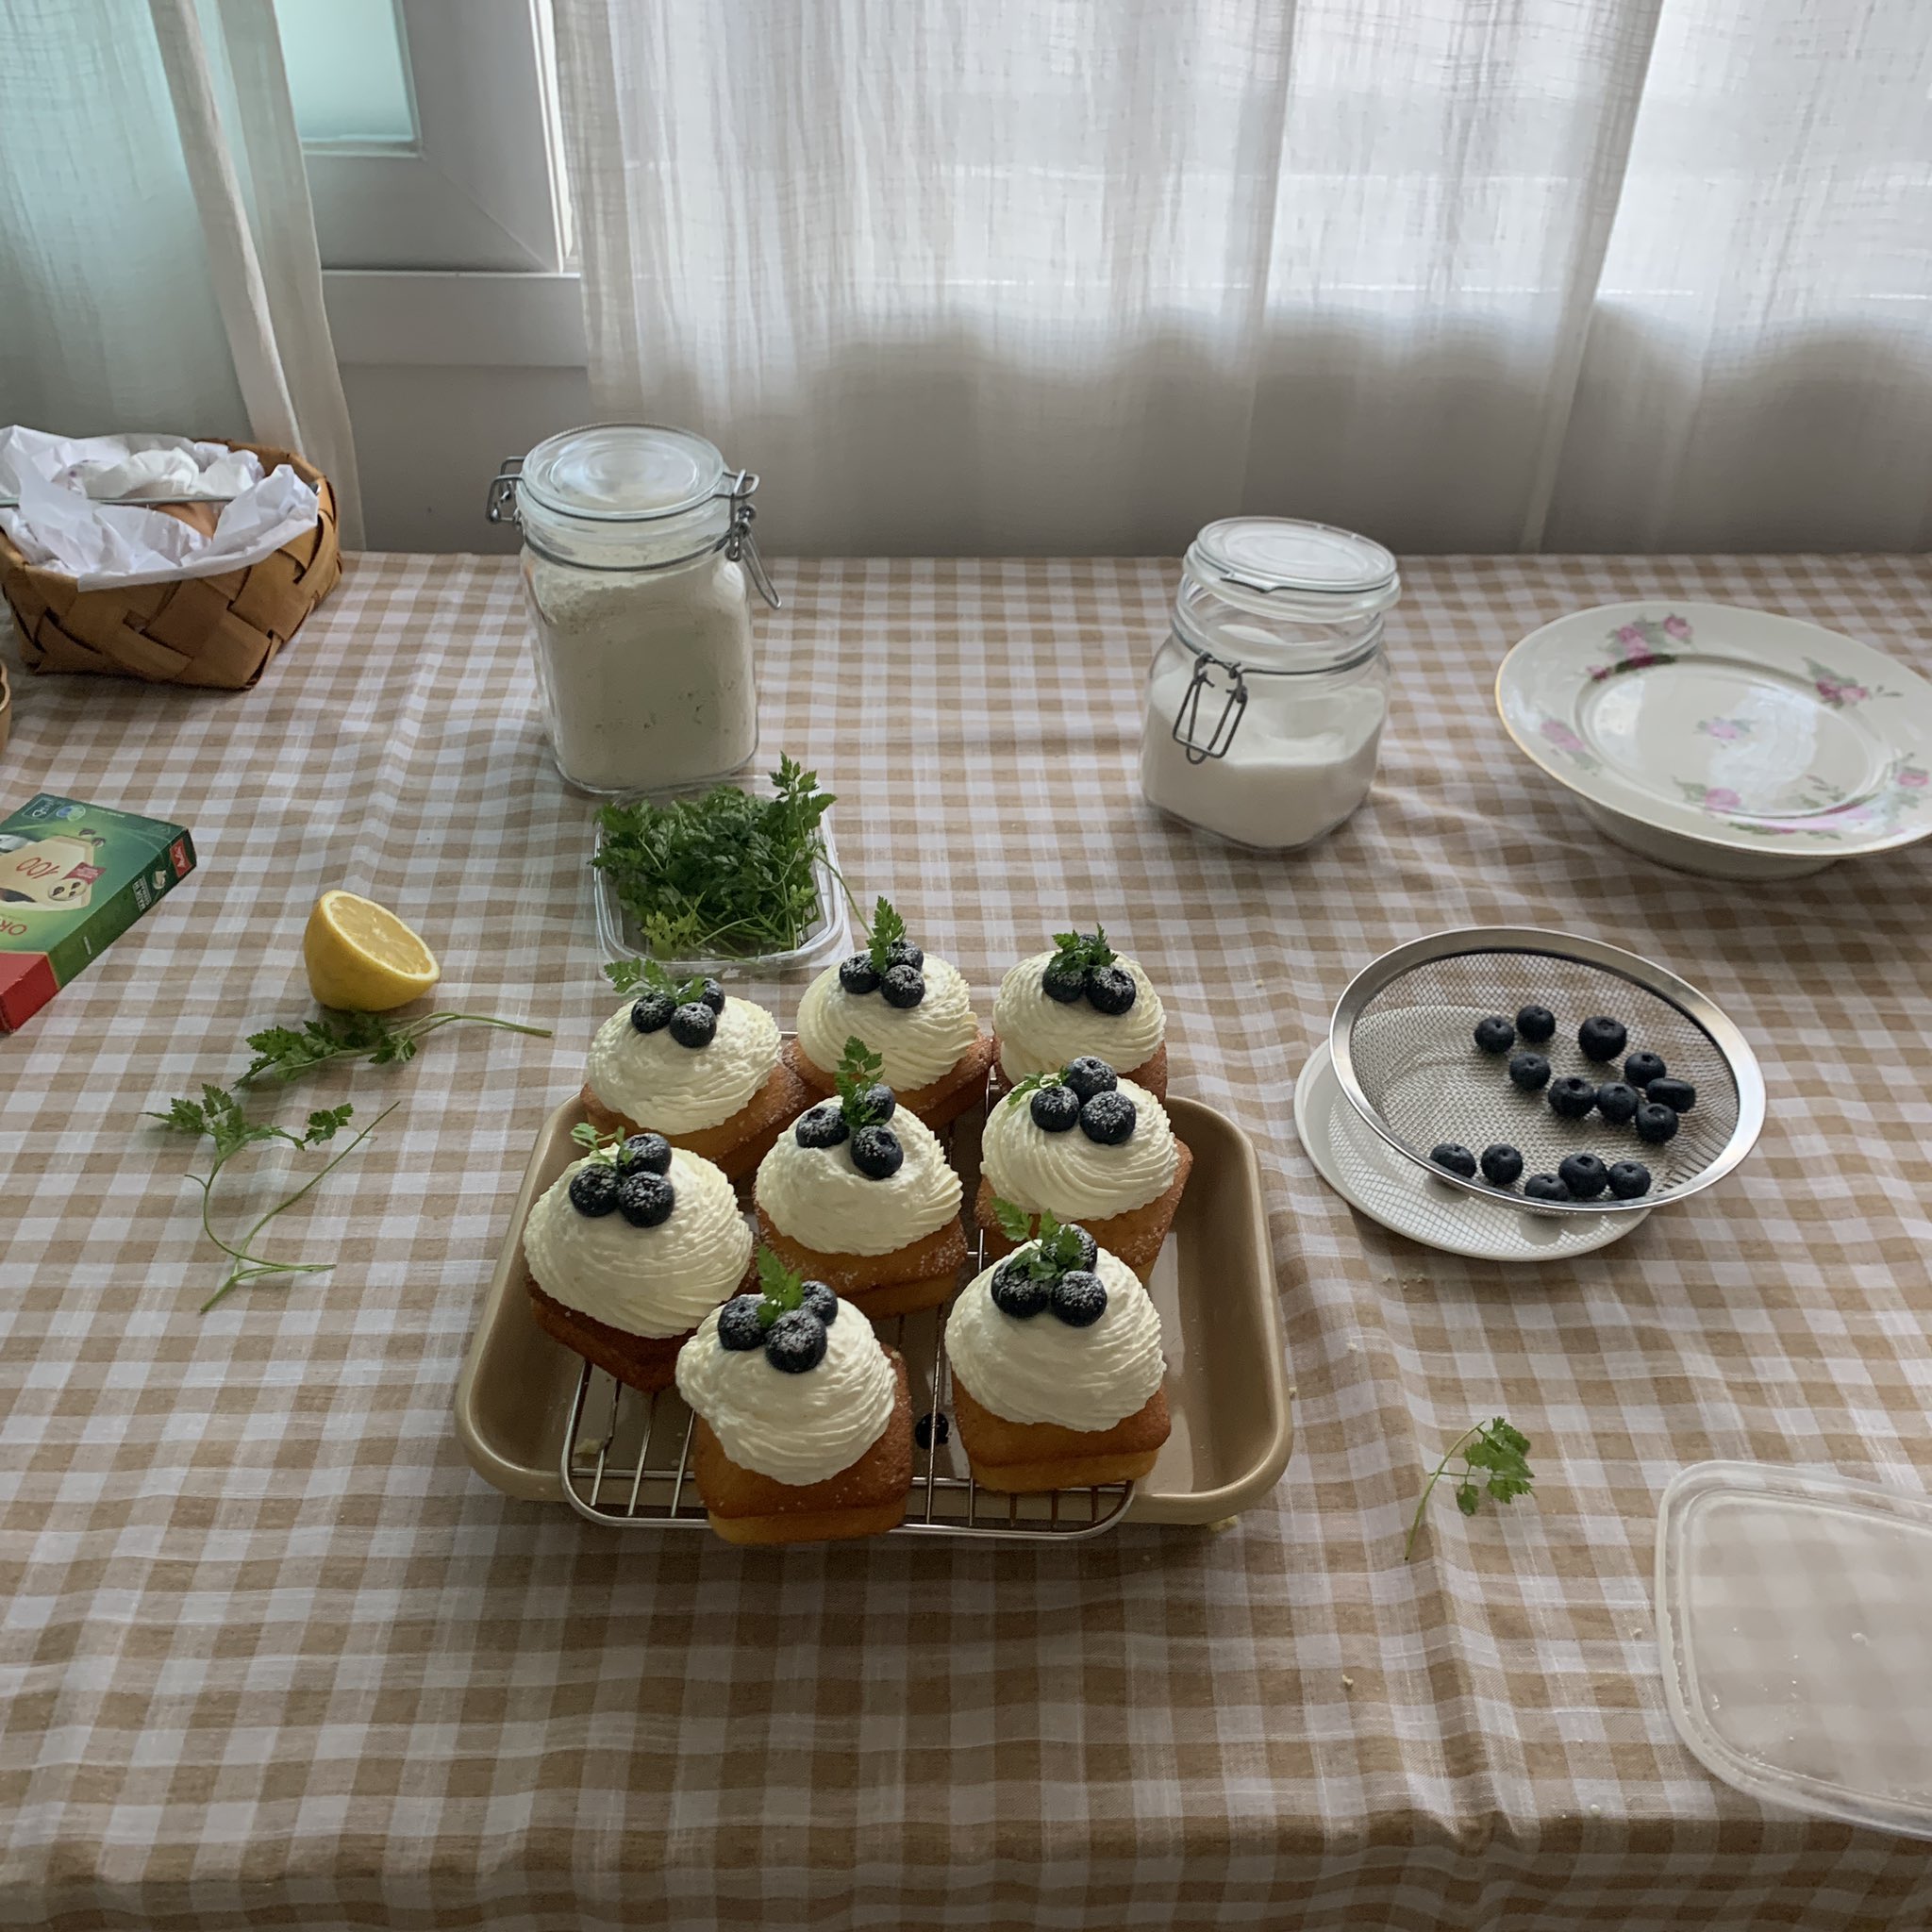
(74, 877)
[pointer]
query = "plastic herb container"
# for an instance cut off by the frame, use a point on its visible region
(823, 940)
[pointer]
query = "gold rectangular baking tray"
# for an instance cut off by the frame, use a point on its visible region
(522, 1397)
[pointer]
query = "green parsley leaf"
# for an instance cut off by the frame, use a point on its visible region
(1015, 1222)
(1079, 950)
(219, 1116)
(324, 1124)
(781, 1288)
(601, 1149)
(1056, 1249)
(856, 1074)
(1494, 1449)
(886, 928)
(289, 1052)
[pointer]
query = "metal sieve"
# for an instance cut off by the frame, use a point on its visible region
(1405, 1052)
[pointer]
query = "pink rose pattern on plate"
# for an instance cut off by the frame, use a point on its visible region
(1841, 694)
(1642, 643)
(1726, 728)
(1901, 791)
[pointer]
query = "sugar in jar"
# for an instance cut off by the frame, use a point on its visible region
(1265, 703)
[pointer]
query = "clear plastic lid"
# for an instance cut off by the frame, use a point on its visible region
(622, 472)
(1275, 567)
(1793, 1612)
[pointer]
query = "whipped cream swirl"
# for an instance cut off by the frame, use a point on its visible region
(817, 1197)
(655, 1281)
(1039, 1035)
(1039, 1370)
(678, 1089)
(1072, 1176)
(919, 1044)
(796, 1429)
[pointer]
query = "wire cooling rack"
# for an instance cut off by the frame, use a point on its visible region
(627, 1459)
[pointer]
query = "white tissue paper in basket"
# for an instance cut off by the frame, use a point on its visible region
(104, 544)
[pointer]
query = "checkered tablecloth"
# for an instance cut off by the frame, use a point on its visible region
(272, 1655)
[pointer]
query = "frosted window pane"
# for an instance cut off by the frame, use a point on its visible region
(348, 73)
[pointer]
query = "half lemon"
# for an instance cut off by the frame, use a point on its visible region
(362, 958)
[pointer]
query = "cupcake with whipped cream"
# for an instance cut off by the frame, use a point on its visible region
(630, 1249)
(803, 1422)
(858, 1193)
(1056, 1365)
(1082, 998)
(1084, 1144)
(909, 1007)
(684, 1061)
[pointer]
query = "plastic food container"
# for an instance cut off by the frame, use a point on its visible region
(1265, 703)
(824, 941)
(1791, 1615)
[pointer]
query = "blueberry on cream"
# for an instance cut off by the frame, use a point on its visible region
(915, 1011)
(644, 1153)
(889, 966)
(649, 1253)
(792, 1387)
(858, 1175)
(1124, 1156)
(1084, 966)
(1081, 997)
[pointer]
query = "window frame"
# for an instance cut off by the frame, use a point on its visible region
(478, 188)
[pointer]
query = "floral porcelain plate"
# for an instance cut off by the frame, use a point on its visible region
(1724, 742)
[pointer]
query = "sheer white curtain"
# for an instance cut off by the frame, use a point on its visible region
(980, 275)
(159, 268)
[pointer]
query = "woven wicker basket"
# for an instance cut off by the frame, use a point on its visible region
(217, 632)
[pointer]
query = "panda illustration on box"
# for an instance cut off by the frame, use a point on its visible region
(55, 873)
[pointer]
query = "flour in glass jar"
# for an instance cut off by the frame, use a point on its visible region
(647, 675)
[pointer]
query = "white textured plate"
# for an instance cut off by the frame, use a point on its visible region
(1741, 743)
(1368, 1174)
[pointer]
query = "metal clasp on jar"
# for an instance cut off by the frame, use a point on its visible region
(739, 543)
(1187, 718)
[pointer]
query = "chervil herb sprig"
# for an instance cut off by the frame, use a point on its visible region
(780, 1288)
(219, 1116)
(647, 976)
(887, 927)
(600, 1150)
(1499, 1452)
(857, 1074)
(1080, 950)
(727, 874)
(1056, 1250)
(1053, 1076)
(289, 1051)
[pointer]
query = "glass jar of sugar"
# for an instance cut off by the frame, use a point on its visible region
(638, 561)
(1265, 703)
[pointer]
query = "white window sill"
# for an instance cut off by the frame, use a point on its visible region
(455, 318)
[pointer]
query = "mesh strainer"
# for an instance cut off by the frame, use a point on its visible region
(1404, 1055)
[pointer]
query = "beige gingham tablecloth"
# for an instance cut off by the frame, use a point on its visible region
(272, 1655)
